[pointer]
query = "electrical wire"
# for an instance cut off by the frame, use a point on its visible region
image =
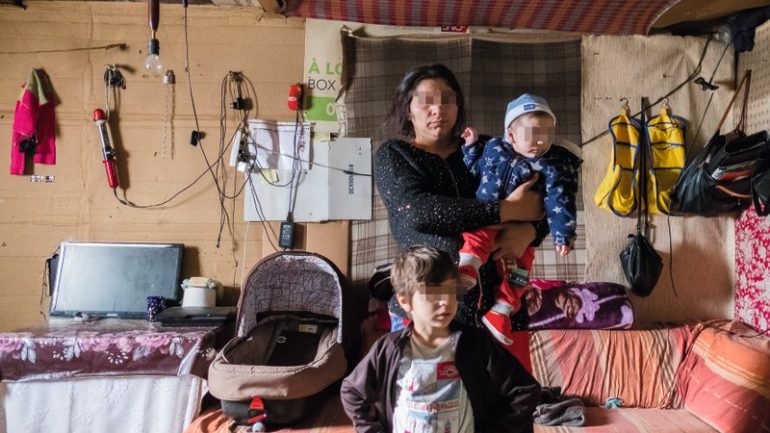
(224, 216)
(689, 78)
(126, 202)
(330, 167)
(295, 167)
(122, 46)
(260, 213)
(687, 157)
(235, 85)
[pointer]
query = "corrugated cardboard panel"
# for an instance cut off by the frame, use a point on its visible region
(702, 248)
(78, 205)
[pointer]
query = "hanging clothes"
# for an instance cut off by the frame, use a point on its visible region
(616, 192)
(666, 135)
(665, 158)
(34, 124)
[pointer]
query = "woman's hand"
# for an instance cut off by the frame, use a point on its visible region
(523, 204)
(512, 240)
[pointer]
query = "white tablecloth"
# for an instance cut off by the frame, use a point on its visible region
(117, 404)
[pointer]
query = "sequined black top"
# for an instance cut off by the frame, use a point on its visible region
(430, 200)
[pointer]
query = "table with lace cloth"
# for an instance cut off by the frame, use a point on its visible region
(71, 376)
(66, 348)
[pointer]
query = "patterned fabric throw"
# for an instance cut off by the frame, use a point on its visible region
(581, 16)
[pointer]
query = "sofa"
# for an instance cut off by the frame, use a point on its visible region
(701, 378)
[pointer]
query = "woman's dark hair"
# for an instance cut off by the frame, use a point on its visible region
(399, 111)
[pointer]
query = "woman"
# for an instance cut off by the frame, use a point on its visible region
(429, 192)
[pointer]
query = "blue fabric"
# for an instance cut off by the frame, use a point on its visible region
(501, 171)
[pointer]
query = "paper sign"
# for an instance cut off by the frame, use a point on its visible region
(337, 185)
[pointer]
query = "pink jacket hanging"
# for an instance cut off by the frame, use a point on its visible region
(34, 118)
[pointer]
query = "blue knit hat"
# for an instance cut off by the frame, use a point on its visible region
(526, 103)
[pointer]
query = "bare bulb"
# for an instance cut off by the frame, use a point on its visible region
(152, 62)
(153, 65)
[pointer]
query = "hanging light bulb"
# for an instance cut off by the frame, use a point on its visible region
(152, 63)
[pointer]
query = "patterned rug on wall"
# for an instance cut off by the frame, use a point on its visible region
(752, 268)
(752, 233)
(491, 73)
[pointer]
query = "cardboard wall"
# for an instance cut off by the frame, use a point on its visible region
(35, 217)
(78, 205)
(701, 250)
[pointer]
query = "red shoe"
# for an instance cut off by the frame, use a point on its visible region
(469, 277)
(498, 322)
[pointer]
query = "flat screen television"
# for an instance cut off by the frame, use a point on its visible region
(114, 279)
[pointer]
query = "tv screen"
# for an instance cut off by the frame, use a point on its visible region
(114, 279)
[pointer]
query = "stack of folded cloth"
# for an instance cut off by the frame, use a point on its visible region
(556, 409)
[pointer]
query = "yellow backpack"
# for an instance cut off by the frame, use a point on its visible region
(666, 153)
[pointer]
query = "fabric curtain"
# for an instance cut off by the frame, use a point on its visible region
(491, 73)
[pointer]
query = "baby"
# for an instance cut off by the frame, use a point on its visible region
(503, 165)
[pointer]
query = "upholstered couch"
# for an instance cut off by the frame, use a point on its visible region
(689, 379)
(705, 378)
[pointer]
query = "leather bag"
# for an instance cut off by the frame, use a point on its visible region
(729, 173)
(641, 263)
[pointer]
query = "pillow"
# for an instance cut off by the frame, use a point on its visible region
(725, 379)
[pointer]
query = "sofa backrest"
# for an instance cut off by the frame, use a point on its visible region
(639, 367)
(725, 378)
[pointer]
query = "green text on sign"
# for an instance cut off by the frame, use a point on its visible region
(321, 108)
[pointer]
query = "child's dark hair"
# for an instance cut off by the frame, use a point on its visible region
(399, 110)
(421, 265)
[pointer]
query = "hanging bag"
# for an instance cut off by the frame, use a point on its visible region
(729, 173)
(641, 263)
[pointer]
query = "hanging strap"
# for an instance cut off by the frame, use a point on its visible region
(642, 223)
(741, 123)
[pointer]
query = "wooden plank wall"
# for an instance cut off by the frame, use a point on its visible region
(36, 217)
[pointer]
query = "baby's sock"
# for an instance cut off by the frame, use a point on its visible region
(469, 270)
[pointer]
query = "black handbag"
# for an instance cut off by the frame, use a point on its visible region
(727, 174)
(641, 263)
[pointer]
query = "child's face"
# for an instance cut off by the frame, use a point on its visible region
(432, 305)
(531, 135)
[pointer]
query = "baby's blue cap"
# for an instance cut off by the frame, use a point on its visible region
(526, 103)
